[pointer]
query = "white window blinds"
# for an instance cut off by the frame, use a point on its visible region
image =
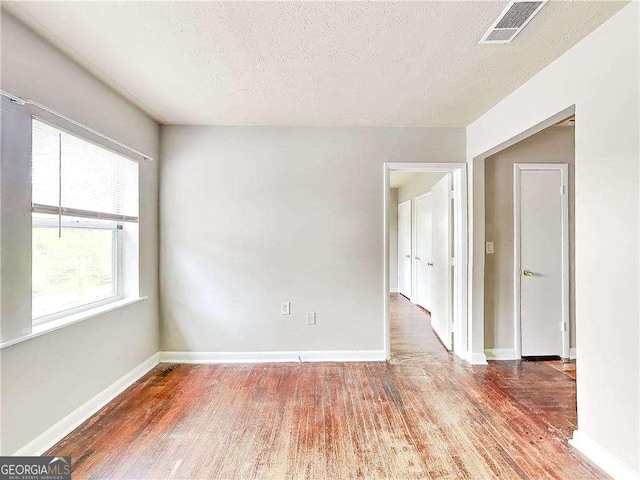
(71, 176)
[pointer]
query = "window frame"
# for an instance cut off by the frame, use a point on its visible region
(116, 266)
(58, 217)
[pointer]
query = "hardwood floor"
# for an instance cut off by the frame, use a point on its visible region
(567, 367)
(412, 339)
(424, 415)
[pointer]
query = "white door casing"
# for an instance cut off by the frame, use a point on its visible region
(404, 248)
(541, 260)
(442, 306)
(423, 261)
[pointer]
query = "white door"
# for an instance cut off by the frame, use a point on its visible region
(441, 214)
(540, 267)
(404, 248)
(423, 258)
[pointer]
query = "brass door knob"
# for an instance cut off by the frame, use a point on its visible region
(527, 273)
(408, 256)
(429, 264)
(417, 258)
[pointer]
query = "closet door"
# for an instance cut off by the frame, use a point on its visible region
(404, 248)
(541, 228)
(442, 297)
(423, 260)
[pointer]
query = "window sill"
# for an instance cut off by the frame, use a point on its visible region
(71, 320)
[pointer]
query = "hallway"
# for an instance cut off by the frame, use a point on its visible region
(412, 338)
(540, 387)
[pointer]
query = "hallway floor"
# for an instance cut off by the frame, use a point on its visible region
(424, 415)
(547, 388)
(412, 338)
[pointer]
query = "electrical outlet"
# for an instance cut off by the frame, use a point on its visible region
(285, 308)
(311, 318)
(489, 247)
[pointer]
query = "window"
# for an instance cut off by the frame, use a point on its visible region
(85, 199)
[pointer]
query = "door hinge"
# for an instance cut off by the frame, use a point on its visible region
(564, 326)
(452, 194)
(452, 261)
(561, 189)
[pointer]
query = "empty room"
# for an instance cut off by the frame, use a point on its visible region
(320, 240)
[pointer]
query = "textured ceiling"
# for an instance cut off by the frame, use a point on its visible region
(295, 63)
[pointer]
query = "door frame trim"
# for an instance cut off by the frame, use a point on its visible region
(414, 250)
(461, 249)
(563, 168)
(411, 215)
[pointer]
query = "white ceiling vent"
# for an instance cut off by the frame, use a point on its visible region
(511, 21)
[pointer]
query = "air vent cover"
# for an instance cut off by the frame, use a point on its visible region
(511, 21)
(501, 35)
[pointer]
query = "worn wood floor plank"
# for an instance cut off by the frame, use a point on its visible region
(423, 415)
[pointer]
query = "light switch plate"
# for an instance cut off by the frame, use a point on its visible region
(311, 318)
(285, 308)
(489, 247)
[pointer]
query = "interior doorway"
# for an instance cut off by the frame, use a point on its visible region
(425, 257)
(529, 307)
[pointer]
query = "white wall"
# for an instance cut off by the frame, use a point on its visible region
(251, 217)
(600, 77)
(418, 185)
(552, 145)
(47, 377)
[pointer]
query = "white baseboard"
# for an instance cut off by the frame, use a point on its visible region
(510, 354)
(476, 358)
(393, 290)
(602, 458)
(501, 354)
(61, 429)
(344, 356)
(274, 357)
